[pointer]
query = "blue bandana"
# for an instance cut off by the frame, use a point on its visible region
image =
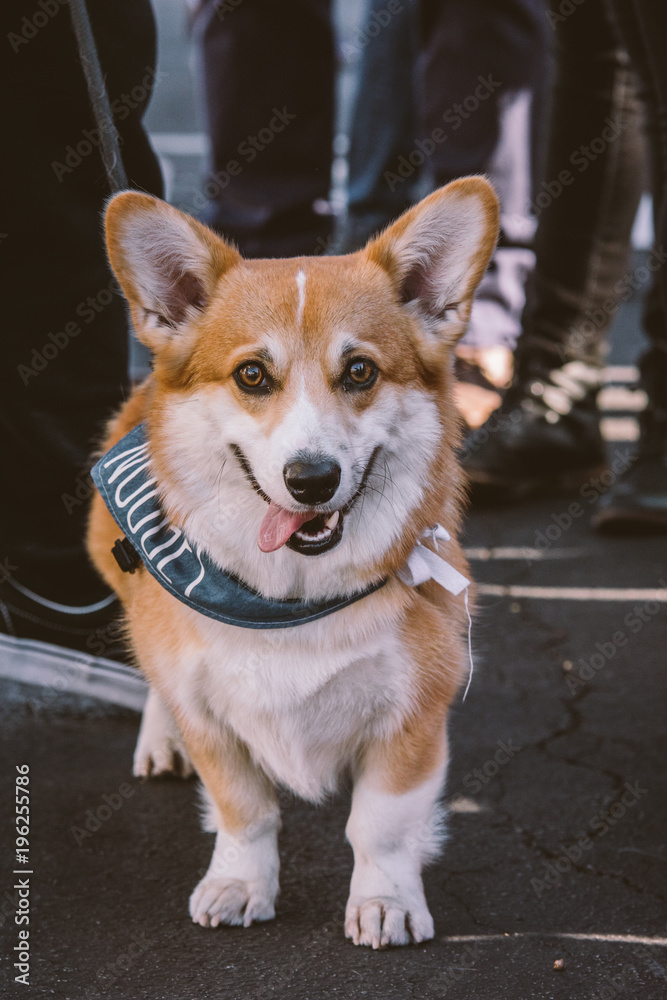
(130, 492)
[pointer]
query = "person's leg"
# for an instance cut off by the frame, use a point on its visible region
(638, 498)
(381, 175)
(652, 20)
(65, 332)
(268, 81)
(477, 54)
(486, 67)
(546, 432)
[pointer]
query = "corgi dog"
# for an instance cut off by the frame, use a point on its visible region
(299, 435)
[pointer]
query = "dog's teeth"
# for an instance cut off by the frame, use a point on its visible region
(319, 537)
(332, 521)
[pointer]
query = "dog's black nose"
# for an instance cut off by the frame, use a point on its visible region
(312, 481)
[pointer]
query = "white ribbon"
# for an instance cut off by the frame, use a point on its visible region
(423, 564)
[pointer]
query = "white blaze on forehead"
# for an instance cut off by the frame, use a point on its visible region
(301, 286)
(302, 428)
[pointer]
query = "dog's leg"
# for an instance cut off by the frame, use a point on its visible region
(394, 827)
(160, 747)
(241, 883)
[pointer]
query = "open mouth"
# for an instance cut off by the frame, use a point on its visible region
(309, 532)
(322, 533)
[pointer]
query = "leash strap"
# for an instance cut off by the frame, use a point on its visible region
(97, 91)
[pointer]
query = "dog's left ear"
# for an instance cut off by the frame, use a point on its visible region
(167, 264)
(437, 252)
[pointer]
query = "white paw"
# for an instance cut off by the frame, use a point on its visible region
(382, 921)
(232, 901)
(160, 748)
(161, 754)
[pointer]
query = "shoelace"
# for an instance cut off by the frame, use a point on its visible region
(558, 390)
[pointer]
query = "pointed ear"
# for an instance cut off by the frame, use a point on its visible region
(167, 264)
(437, 252)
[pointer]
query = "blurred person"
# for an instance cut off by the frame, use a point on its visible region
(448, 88)
(638, 497)
(268, 92)
(65, 330)
(586, 213)
(546, 434)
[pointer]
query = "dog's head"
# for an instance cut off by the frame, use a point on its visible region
(302, 407)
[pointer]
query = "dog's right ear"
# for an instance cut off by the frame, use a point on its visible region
(167, 264)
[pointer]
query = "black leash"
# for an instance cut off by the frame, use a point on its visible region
(97, 91)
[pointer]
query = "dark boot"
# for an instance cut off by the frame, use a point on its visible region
(637, 501)
(545, 436)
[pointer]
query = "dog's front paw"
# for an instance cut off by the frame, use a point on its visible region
(382, 921)
(161, 753)
(232, 901)
(160, 747)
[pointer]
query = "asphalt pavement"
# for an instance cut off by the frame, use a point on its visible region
(557, 851)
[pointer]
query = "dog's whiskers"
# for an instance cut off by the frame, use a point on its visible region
(218, 486)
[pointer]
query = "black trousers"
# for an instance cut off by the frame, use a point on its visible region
(475, 52)
(64, 328)
(643, 25)
(611, 86)
(268, 88)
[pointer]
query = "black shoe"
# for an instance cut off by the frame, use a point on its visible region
(65, 648)
(636, 503)
(545, 437)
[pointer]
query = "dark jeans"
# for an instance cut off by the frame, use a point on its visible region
(476, 52)
(643, 25)
(431, 89)
(587, 202)
(268, 83)
(65, 334)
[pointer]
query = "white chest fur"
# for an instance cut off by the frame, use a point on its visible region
(302, 699)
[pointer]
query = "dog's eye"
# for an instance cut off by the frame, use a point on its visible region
(251, 377)
(360, 374)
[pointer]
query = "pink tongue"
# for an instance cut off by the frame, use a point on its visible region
(278, 525)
